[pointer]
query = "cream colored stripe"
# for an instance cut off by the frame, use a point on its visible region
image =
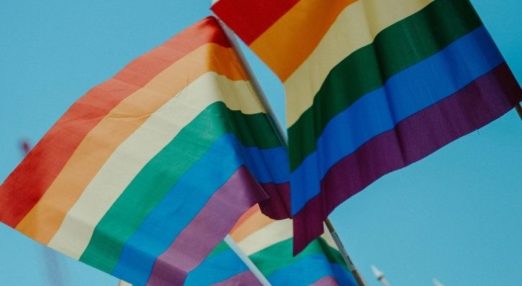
(271, 234)
(355, 28)
(250, 223)
(114, 128)
(327, 236)
(126, 162)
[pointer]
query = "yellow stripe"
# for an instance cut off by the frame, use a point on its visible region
(354, 28)
(42, 222)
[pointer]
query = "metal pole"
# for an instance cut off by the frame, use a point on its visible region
(251, 266)
(279, 130)
(282, 135)
(344, 253)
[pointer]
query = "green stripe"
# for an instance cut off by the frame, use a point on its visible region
(154, 181)
(396, 48)
(279, 255)
(220, 248)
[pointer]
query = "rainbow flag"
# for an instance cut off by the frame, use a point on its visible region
(222, 267)
(268, 244)
(371, 86)
(144, 175)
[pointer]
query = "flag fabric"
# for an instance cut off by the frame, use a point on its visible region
(222, 267)
(268, 244)
(150, 170)
(371, 86)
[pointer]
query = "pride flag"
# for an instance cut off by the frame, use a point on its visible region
(144, 175)
(371, 86)
(222, 267)
(268, 244)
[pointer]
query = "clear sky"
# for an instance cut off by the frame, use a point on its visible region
(456, 215)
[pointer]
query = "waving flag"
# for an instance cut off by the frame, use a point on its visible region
(148, 171)
(268, 244)
(371, 86)
(222, 267)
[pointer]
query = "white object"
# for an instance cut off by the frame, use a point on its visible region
(436, 282)
(380, 276)
(251, 266)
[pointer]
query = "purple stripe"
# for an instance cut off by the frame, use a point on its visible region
(208, 228)
(326, 281)
(244, 278)
(278, 205)
(482, 101)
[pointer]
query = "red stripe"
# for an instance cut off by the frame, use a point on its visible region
(239, 15)
(205, 31)
(29, 181)
(481, 102)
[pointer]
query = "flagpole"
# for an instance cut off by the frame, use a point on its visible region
(282, 135)
(251, 266)
(344, 253)
(255, 83)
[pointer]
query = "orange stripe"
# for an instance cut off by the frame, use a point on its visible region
(292, 39)
(42, 222)
(29, 181)
(251, 222)
(244, 218)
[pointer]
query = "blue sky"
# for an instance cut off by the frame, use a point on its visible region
(455, 215)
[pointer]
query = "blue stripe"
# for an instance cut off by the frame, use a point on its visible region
(216, 268)
(268, 165)
(403, 95)
(186, 199)
(310, 269)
